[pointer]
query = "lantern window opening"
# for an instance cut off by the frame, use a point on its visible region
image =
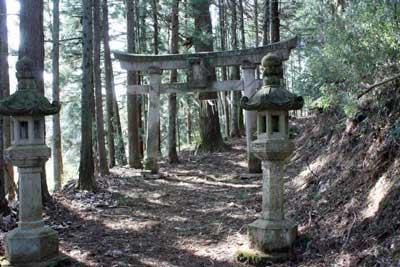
(12, 129)
(275, 124)
(23, 130)
(263, 124)
(37, 133)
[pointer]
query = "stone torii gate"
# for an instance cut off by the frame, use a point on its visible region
(198, 65)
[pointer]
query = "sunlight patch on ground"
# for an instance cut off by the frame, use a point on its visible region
(376, 195)
(301, 181)
(343, 260)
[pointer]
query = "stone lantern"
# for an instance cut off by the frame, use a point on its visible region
(272, 235)
(31, 243)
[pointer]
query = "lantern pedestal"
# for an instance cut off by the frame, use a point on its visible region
(32, 243)
(273, 237)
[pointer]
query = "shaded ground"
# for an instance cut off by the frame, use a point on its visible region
(194, 215)
(342, 188)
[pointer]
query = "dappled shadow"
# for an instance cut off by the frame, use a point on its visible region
(189, 217)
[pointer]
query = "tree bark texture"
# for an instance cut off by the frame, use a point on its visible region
(266, 22)
(109, 93)
(235, 74)
(275, 21)
(86, 167)
(211, 138)
(5, 85)
(57, 150)
(101, 147)
(134, 158)
(172, 154)
(222, 26)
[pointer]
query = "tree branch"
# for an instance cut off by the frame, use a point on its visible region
(372, 87)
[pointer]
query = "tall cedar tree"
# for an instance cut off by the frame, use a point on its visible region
(109, 93)
(31, 45)
(222, 27)
(172, 154)
(4, 81)
(113, 119)
(57, 151)
(266, 22)
(134, 158)
(210, 133)
(101, 147)
(235, 74)
(86, 167)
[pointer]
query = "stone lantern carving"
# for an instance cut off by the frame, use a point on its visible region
(32, 243)
(272, 235)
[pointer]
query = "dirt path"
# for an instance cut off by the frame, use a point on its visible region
(194, 215)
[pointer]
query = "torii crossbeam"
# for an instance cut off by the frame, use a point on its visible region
(198, 65)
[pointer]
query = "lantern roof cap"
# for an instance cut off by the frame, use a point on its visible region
(272, 98)
(27, 100)
(272, 95)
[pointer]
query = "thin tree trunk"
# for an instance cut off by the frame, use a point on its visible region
(154, 6)
(275, 22)
(109, 93)
(132, 102)
(223, 70)
(101, 147)
(32, 46)
(188, 122)
(172, 154)
(210, 133)
(256, 22)
(86, 168)
(242, 46)
(235, 75)
(57, 151)
(120, 153)
(266, 23)
(5, 85)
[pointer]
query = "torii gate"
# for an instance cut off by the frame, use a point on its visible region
(197, 64)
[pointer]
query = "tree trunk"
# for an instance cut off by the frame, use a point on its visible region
(172, 154)
(101, 147)
(108, 86)
(86, 167)
(224, 77)
(275, 22)
(235, 75)
(57, 150)
(242, 46)
(119, 154)
(188, 122)
(266, 23)
(32, 45)
(132, 102)
(256, 22)
(210, 134)
(154, 7)
(5, 85)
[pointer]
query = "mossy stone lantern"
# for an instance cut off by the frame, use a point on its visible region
(32, 243)
(271, 236)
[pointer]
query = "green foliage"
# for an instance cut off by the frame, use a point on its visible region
(341, 50)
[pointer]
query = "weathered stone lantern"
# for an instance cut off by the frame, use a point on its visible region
(32, 243)
(272, 235)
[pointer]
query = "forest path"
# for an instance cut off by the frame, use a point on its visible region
(195, 214)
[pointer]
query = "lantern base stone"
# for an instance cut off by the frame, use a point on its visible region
(274, 238)
(257, 258)
(31, 247)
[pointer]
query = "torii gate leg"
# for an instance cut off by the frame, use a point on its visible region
(249, 79)
(153, 121)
